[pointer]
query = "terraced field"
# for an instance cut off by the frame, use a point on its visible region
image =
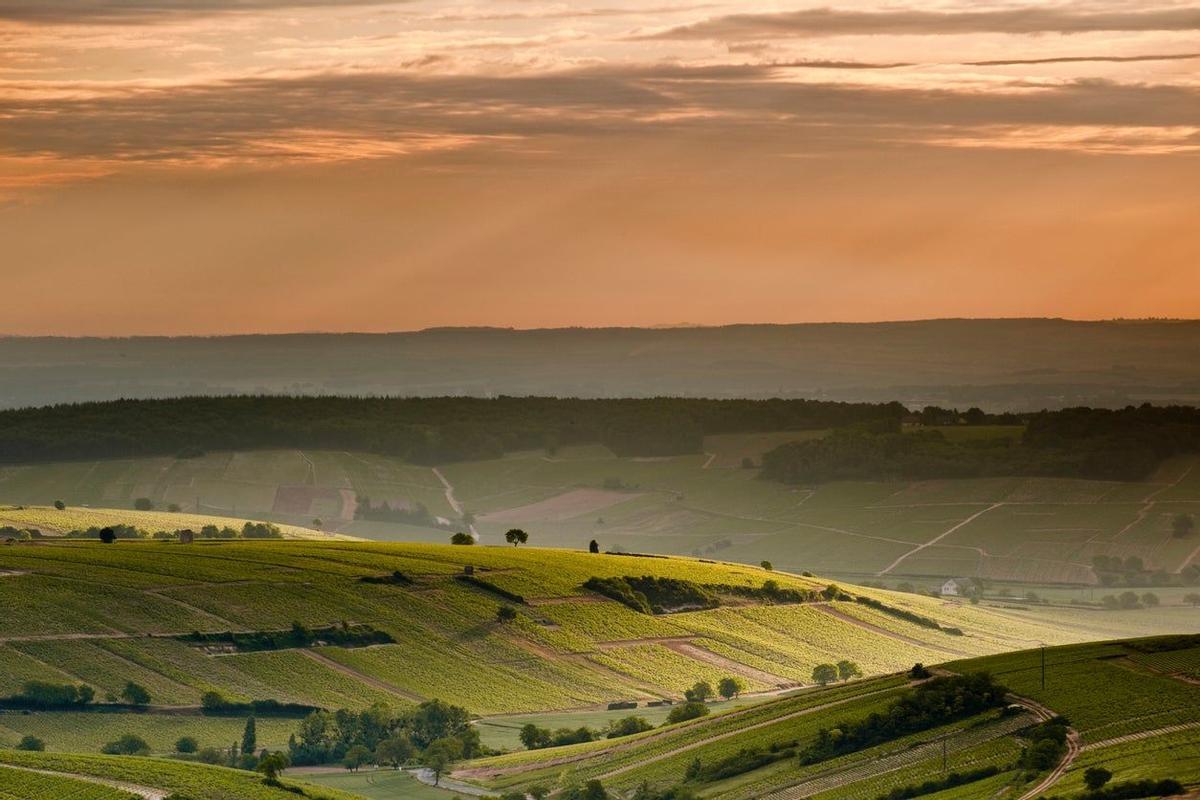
(1141, 725)
(115, 610)
(1032, 530)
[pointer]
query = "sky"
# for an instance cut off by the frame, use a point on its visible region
(228, 166)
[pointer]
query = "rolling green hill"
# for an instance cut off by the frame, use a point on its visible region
(1039, 531)
(1131, 707)
(104, 615)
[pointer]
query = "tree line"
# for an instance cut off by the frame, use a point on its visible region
(1102, 444)
(422, 430)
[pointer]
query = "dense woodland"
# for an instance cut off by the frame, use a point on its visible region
(423, 430)
(1125, 444)
(869, 441)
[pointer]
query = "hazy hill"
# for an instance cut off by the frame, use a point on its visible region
(1019, 364)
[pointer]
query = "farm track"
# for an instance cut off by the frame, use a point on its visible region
(932, 542)
(882, 765)
(452, 500)
(145, 792)
(1135, 737)
(717, 660)
(833, 612)
(362, 677)
(1073, 748)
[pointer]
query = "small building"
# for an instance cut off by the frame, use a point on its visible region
(955, 587)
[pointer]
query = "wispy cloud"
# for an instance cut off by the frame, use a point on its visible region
(1008, 62)
(134, 11)
(819, 22)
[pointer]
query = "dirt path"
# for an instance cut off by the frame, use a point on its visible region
(665, 640)
(938, 538)
(452, 500)
(1073, 749)
(145, 792)
(361, 677)
(1133, 737)
(844, 617)
(717, 660)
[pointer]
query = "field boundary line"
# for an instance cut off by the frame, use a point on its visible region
(826, 608)
(938, 538)
(145, 792)
(351, 672)
(1134, 737)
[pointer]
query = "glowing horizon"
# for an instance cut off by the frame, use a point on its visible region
(221, 166)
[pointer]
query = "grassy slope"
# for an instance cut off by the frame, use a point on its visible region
(1033, 530)
(195, 781)
(567, 649)
(1110, 693)
(51, 521)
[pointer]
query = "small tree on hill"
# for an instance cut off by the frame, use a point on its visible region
(919, 672)
(143, 504)
(848, 669)
(506, 613)
(318, 523)
(60, 505)
(108, 535)
(516, 536)
(700, 691)
(186, 744)
(135, 694)
(730, 687)
(1150, 600)
(824, 674)
(31, 743)
(462, 538)
(128, 745)
(271, 764)
(767, 565)
(1095, 777)
(593, 546)
(689, 710)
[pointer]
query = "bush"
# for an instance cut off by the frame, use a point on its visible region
(186, 744)
(128, 745)
(143, 504)
(31, 743)
(689, 710)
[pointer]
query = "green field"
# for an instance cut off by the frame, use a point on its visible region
(1032, 531)
(111, 611)
(1139, 723)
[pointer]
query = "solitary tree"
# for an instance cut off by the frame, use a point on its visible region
(32, 743)
(1095, 777)
(700, 691)
(824, 674)
(317, 523)
(730, 687)
(135, 694)
(848, 669)
(1183, 526)
(593, 546)
(271, 764)
(767, 565)
(516, 536)
(506, 613)
(186, 744)
(249, 736)
(108, 535)
(1150, 600)
(143, 504)
(60, 505)
(462, 538)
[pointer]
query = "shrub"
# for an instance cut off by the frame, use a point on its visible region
(31, 743)
(128, 745)
(689, 710)
(186, 744)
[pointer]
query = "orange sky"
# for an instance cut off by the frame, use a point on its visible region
(179, 166)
